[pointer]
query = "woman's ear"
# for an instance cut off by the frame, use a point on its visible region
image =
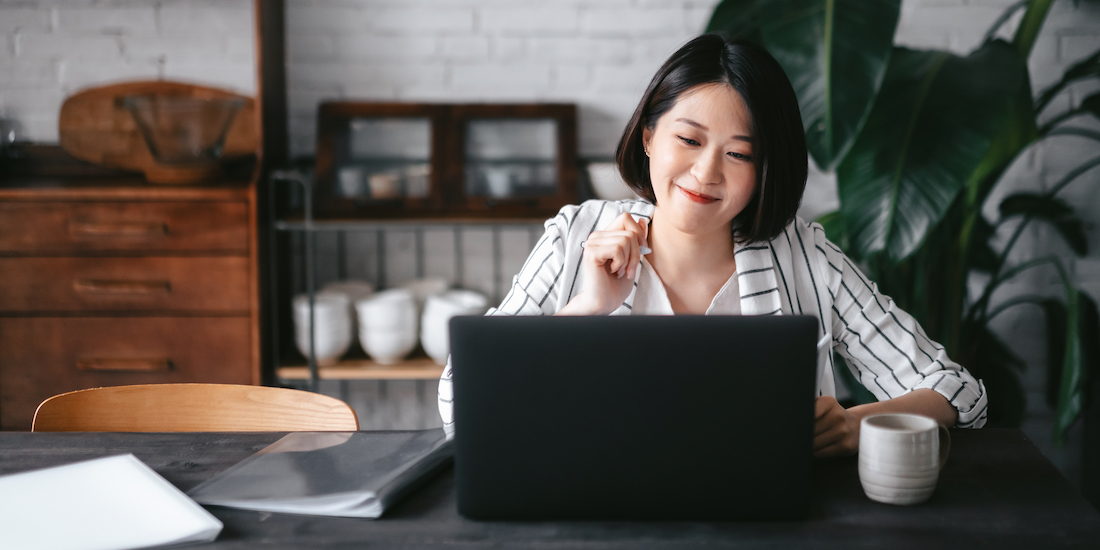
(647, 134)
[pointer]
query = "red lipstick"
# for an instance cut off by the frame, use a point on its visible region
(697, 197)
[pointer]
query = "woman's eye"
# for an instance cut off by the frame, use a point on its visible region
(740, 156)
(688, 141)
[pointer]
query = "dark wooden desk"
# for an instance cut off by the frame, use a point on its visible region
(997, 491)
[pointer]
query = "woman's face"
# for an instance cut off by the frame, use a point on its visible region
(700, 159)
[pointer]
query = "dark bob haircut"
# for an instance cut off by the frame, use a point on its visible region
(778, 147)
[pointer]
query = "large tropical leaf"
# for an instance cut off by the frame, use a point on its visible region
(736, 18)
(1019, 131)
(833, 224)
(995, 364)
(983, 257)
(1055, 312)
(932, 124)
(1086, 68)
(1052, 210)
(1091, 104)
(1080, 357)
(835, 53)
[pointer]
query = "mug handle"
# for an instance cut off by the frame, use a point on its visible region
(945, 445)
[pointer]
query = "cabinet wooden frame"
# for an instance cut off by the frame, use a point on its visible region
(447, 197)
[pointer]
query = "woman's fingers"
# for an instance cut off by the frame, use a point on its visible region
(611, 252)
(836, 431)
(617, 247)
(633, 235)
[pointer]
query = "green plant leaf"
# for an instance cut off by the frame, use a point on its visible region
(1079, 360)
(1086, 68)
(984, 258)
(990, 360)
(1055, 312)
(736, 18)
(932, 124)
(1030, 24)
(835, 53)
(1052, 210)
(1091, 105)
(833, 224)
(1019, 131)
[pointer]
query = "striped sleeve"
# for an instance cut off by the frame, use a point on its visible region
(885, 348)
(534, 291)
(536, 287)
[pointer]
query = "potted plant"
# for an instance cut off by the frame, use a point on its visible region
(919, 139)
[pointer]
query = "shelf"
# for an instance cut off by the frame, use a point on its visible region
(416, 368)
(363, 225)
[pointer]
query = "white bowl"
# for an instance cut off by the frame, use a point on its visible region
(606, 182)
(388, 310)
(387, 346)
(422, 288)
(438, 311)
(353, 290)
(332, 331)
(388, 325)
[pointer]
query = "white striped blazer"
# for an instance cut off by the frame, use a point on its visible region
(798, 272)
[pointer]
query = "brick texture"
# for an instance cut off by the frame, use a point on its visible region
(49, 50)
(598, 54)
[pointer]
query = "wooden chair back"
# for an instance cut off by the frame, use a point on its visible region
(193, 408)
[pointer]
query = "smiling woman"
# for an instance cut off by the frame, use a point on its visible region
(716, 149)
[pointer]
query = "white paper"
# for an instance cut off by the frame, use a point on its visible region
(114, 503)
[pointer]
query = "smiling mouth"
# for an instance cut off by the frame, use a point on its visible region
(697, 197)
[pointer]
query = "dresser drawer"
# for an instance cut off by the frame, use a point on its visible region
(42, 357)
(53, 285)
(80, 227)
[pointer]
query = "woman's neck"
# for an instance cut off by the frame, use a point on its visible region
(686, 252)
(693, 267)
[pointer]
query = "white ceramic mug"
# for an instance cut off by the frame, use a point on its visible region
(351, 180)
(331, 326)
(900, 457)
(500, 182)
(438, 311)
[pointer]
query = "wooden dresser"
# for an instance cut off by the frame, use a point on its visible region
(110, 280)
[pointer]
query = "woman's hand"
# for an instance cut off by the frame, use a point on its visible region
(836, 430)
(610, 261)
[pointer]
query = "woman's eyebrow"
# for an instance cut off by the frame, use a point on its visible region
(690, 122)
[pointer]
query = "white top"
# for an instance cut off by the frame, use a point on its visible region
(798, 272)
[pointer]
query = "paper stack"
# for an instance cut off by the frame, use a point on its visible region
(113, 503)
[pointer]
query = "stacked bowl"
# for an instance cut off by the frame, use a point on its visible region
(387, 325)
(438, 310)
(331, 326)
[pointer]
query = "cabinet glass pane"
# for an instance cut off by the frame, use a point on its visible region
(511, 158)
(387, 158)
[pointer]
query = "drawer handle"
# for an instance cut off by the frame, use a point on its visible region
(90, 286)
(107, 364)
(118, 229)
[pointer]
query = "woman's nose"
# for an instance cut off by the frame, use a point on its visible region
(707, 167)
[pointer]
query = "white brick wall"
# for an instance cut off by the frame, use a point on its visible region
(597, 53)
(50, 49)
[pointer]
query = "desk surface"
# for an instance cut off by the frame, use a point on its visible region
(997, 491)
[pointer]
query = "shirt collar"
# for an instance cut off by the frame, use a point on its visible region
(756, 278)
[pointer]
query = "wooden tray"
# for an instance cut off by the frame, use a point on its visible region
(94, 125)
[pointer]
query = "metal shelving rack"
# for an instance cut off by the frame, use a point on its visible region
(418, 366)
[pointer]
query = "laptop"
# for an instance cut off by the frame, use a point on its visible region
(641, 418)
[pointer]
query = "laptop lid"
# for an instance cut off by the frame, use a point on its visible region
(647, 417)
